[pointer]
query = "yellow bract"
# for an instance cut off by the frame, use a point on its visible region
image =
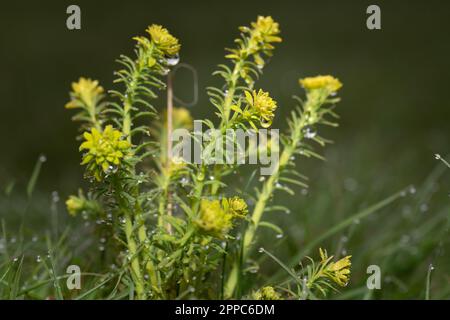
(260, 37)
(182, 118)
(266, 29)
(262, 105)
(216, 217)
(105, 150)
(75, 205)
(236, 206)
(167, 43)
(213, 219)
(86, 91)
(338, 271)
(321, 82)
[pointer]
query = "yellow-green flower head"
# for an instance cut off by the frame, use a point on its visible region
(167, 43)
(262, 105)
(213, 219)
(182, 118)
(75, 205)
(105, 150)
(338, 271)
(265, 29)
(321, 82)
(85, 91)
(236, 206)
(266, 293)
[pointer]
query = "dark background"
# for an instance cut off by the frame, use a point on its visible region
(395, 95)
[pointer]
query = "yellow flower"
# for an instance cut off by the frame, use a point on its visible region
(338, 271)
(266, 293)
(105, 150)
(261, 105)
(182, 118)
(176, 165)
(167, 43)
(85, 91)
(236, 206)
(213, 219)
(265, 29)
(321, 82)
(261, 35)
(75, 205)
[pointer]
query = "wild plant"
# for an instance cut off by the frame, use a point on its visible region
(179, 230)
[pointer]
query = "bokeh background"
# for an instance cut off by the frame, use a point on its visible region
(394, 111)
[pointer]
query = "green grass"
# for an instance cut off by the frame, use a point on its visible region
(347, 209)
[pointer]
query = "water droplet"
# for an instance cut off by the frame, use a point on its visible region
(15, 259)
(279, 236)
(173, 60)
(211, 177)
(262, 178)
(309, 132)
(423, 207)
(412, 190)
(42, 158)
(101, 248)
(38, 258)
(55, 196)
(102, 240)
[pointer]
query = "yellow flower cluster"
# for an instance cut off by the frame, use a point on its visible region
(167, 43)
(105, 150)
(338, 271)
(321, 82)
(262, 106)
(75, 205)
(236, 206)
(216, 217)
(265, 30)
(78, 204)
(262, 34)
(266, 293)
(182, 118)
(85, 92)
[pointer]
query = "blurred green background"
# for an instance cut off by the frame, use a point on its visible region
(394, 110)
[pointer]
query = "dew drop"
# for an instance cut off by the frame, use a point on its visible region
(423, 207)
(55, 196)
(38, 259)
(309, 132)
(173, 60)
(42, 158)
